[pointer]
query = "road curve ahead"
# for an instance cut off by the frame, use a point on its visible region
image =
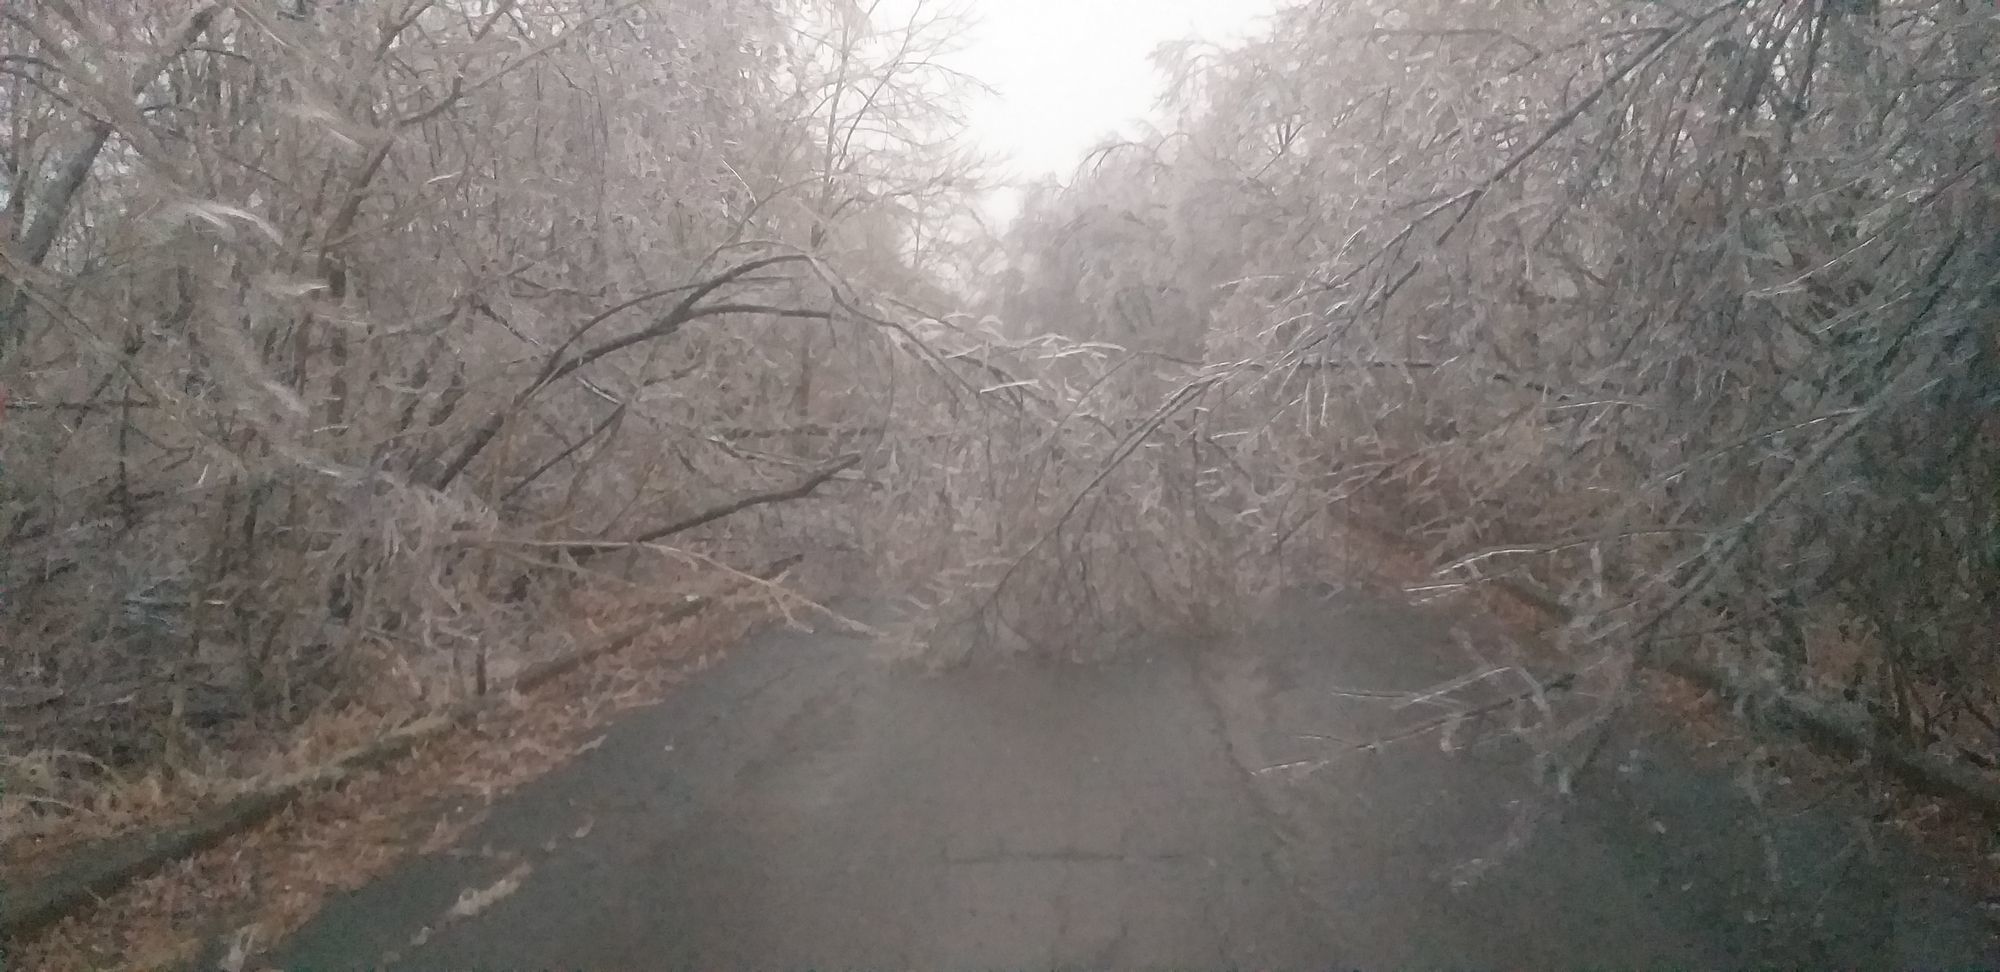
(806, 805)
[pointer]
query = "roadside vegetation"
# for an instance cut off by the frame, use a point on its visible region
(358, 354)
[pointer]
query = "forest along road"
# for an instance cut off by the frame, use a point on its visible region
(807, 805)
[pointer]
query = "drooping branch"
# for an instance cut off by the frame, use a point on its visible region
(555, 460)
(799, 490)
(562, 362)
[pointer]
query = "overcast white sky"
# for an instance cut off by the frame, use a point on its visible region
(1067, 72)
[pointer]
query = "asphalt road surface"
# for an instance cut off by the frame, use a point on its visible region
(806, 805)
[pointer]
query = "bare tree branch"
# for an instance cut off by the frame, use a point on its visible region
(799, 490)
(73, 170)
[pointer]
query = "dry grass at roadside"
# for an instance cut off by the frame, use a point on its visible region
(255, 887)
(101, 807)
(53, 801)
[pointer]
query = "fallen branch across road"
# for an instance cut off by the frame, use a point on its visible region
(1560, 683)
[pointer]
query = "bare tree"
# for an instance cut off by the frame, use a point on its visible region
(335, 334)
(1679, 311)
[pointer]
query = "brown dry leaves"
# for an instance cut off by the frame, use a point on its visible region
(256, 887)
(158, 799)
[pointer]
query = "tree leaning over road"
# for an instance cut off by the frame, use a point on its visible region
(338, 335)
(1685, 312)
(344, 338)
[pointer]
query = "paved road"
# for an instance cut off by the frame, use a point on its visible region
(804, 805)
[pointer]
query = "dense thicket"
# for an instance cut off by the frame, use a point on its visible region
(1686, 310)
(338, 333)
